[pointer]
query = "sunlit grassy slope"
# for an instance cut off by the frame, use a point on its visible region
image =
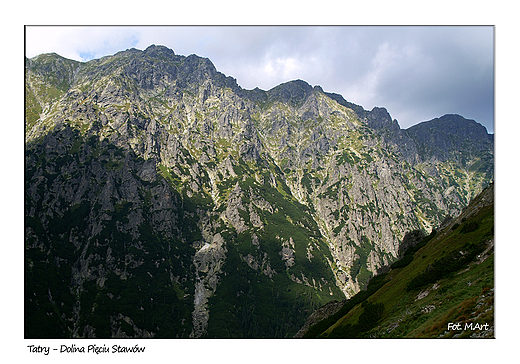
(442, 287)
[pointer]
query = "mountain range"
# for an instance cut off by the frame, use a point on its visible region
(163, 200)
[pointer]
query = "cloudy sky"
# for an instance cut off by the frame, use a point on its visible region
(416, 72)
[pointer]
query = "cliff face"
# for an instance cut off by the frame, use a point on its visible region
(162, 200)
(441, 287)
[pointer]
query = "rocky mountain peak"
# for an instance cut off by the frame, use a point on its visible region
(379, 118)
(53, 66)
(162, 200)
(292, 92)
(450, 136)
(159, 51)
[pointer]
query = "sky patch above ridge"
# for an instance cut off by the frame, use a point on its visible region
(417, 72)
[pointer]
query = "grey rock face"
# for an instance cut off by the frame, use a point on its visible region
(451, 137)
(157, 185)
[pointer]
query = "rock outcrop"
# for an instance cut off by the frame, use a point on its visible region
(163, 200)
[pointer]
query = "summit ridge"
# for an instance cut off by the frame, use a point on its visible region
(163, 200)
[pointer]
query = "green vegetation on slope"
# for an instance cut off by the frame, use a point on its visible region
(153, 182)
(447, 278)
(79, 283)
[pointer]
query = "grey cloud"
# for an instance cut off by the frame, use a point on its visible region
(451, 71)
(417, 73)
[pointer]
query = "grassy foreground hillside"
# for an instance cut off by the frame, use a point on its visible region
(443, 287)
